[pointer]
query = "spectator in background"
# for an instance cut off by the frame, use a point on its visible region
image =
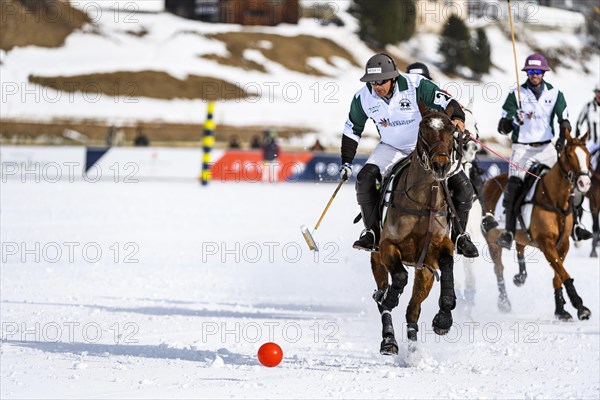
(110, 135)
(317, 146)
(255, 142)
(115, 137)
(141, 140)
(234, 142)
(270, 150)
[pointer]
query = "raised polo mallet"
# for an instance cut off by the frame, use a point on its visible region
(308, 236)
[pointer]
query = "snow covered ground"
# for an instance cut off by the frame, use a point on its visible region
(167, 290)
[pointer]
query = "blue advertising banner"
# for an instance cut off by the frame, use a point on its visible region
(324, 167)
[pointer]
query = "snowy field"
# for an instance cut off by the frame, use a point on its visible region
(167, 290)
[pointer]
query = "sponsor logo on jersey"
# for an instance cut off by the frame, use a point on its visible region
(374, 109)
(386, 123)
(405, 104)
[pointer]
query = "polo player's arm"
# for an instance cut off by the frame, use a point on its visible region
(353, 129)
(434, 97)
(509, 110)
(457, 111)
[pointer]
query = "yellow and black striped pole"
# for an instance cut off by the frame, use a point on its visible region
(208, 141)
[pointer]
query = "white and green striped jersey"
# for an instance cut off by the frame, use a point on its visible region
(539, 113)
(397, 121)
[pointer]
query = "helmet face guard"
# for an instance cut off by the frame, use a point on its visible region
(380, 67)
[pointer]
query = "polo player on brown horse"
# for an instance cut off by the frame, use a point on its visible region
(416, 232)
(551, 224)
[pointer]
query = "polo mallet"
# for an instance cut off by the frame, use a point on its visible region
(308, 236)
(512, 34)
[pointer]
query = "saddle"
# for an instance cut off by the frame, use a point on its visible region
(386, 189)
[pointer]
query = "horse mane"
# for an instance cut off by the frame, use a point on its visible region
(424, 110)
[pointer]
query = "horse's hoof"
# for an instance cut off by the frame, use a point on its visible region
(389, 347)
(519, 279)
(584, 313)
(442, 322)
(593, 254)
(411, 332)
(563, 316)
(504, 305)
(412, 347)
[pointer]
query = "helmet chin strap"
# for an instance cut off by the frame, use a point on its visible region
(392, 88)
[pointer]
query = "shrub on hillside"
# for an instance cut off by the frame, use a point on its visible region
(384, 22)
(459, 48)
(455, 44)
(481, 53)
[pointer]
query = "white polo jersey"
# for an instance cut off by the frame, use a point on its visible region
(539, 113)
(397, 121)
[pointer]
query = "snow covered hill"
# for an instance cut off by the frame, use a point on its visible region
(284, 97)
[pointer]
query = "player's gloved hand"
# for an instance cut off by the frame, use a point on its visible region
(459, 124)
(345, 171)
(519, 118)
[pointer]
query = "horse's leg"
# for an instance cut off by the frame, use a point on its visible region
(421, 288)
(519, 279)
(559, 300)
(496, 254)
(381, 279)
(387, 297)
(555, 258)
(442, 322)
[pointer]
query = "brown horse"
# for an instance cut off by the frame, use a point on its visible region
(593, 196)
(550, 227)
(415, 233)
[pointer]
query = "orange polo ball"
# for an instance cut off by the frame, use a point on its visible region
(270, 354)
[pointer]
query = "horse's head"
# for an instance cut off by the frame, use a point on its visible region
(435, 143)
(574, 162)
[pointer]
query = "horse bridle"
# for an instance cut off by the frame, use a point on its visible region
(568, 173)
(424, 151)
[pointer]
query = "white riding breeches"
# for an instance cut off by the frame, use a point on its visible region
(524, 156)
(385, 157)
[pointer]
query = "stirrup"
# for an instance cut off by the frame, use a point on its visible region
(488, 223)
(362, 244)
(505, 240)
(580, 233)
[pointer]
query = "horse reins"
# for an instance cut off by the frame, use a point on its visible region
(500, 157)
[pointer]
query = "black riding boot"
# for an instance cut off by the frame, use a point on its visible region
(477, 181)
(513, 188)
(462, 198)
(368, 199)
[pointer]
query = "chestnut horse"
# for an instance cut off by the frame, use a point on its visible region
(415, 233)
(550, 227)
